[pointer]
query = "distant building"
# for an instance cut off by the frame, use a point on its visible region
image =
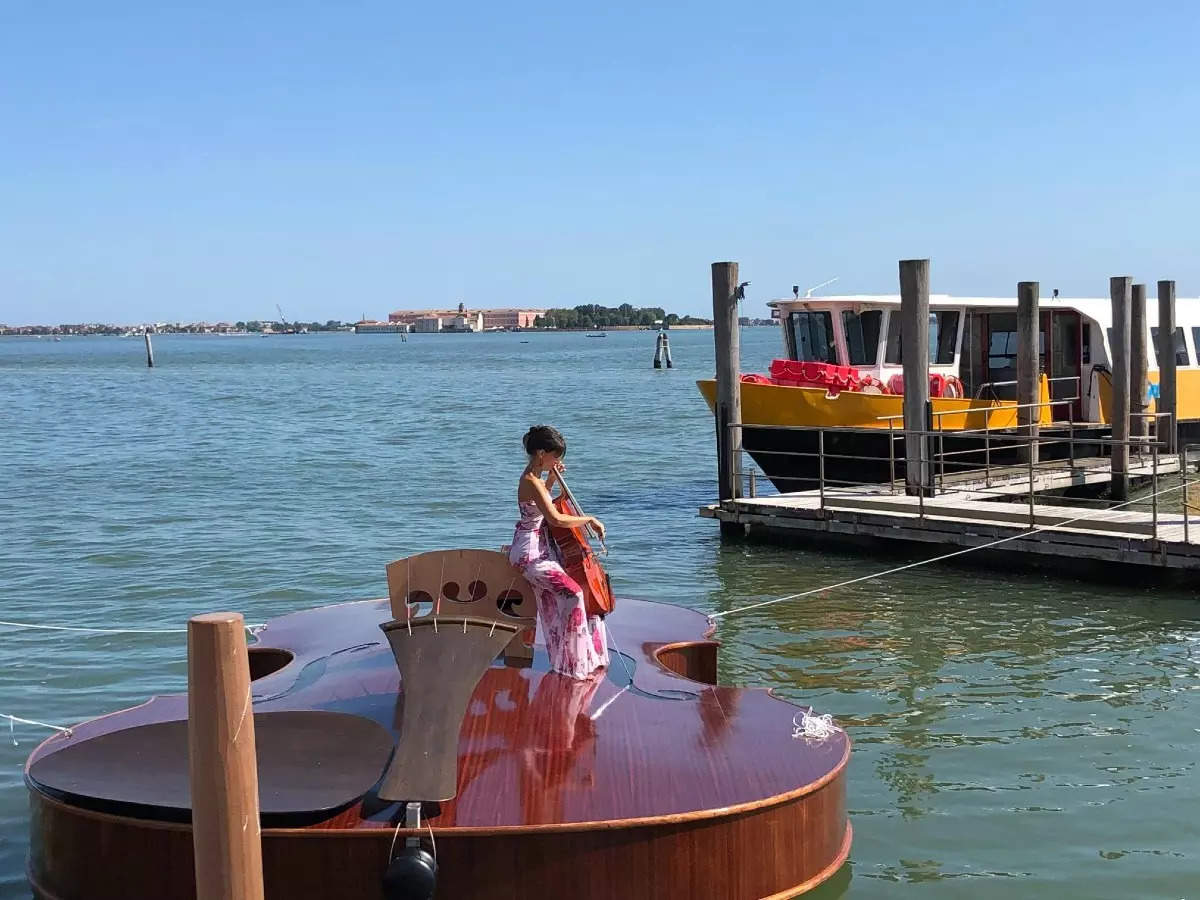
(510, 318)
(427, 324)
(492, 318)
(370, 326)
(466, 322)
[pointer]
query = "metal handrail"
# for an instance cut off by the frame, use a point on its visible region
(983, 409)
(1029, 441)
(996, 384)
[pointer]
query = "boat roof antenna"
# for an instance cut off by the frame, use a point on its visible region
(816, 287)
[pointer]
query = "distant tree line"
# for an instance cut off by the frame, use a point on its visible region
(592, 315)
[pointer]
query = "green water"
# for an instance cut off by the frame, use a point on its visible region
(1015, 735)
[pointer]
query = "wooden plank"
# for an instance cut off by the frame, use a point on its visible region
(1166, 365)
(1138, 380)
(729, 394)
(1027, 367)
(996, 512)
(223, 773)
(1125, 531)
(914, 350)
(1119, 293)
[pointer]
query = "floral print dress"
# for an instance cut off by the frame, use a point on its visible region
(577, 643)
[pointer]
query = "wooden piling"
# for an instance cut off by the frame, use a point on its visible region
(667, 350)
(223, 769)
(658, 350)
(1120, 290)
(149, 351)
(1167, 397)
(729, 395)
(914, 351)
(1139, 382)
(1028, 368)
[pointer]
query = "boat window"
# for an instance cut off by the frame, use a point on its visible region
(943, 335)
(862, 336)
(1181, 351)
(812, 337)
(1085, 353)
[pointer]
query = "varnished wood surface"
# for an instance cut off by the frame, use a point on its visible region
(665, 786)
(529, 752)
(310, 764)
(774, 852)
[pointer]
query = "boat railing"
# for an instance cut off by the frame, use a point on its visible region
(977, 473)
(992, 385)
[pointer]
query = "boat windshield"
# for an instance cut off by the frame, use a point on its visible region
(812, 336)
(943, 336)
(862, 335)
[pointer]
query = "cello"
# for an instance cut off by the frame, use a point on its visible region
(578, 558)
(385, 727)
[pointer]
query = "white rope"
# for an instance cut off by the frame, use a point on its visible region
(12, 720)
(807, 725)
(924, 562)
(253, 629)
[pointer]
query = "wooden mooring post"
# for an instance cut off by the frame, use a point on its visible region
(1120, 290)
(149, 351)
(1028, 369)
(1139, 382)
(223, 769)
(1167, 429)
(729, 395)
(914, 352)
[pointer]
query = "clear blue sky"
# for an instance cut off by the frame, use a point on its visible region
(341, 158)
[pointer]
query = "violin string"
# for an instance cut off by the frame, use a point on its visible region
(437, 607)
(81, 630)
(621, 656)
(395, 834)
(408, 594)
(712, 617)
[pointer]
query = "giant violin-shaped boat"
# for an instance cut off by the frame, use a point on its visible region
(432, 714)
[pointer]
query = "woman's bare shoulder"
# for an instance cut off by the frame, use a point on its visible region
(527, 487)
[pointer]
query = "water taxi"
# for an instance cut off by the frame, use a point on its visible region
(843, 369)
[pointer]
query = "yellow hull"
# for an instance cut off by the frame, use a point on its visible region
(773, 404)
(1187, 388)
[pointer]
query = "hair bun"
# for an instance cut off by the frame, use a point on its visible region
(544, 437)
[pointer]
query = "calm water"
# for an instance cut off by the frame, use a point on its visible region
(1015, 736)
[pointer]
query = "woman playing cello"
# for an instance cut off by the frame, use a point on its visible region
(577, 643)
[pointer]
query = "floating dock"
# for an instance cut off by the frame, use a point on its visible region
(970, 514)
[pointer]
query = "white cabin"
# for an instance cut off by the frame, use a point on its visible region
(975, 339)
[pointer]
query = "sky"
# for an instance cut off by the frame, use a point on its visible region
(162, 161)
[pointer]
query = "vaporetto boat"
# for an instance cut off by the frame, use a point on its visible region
(851, 344)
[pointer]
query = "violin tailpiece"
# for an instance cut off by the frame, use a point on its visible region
(454, 612)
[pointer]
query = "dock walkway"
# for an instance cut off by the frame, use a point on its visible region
(969, 513)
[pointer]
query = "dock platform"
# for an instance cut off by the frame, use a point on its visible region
(971, 514)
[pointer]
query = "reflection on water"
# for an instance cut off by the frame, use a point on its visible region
(988, 710)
